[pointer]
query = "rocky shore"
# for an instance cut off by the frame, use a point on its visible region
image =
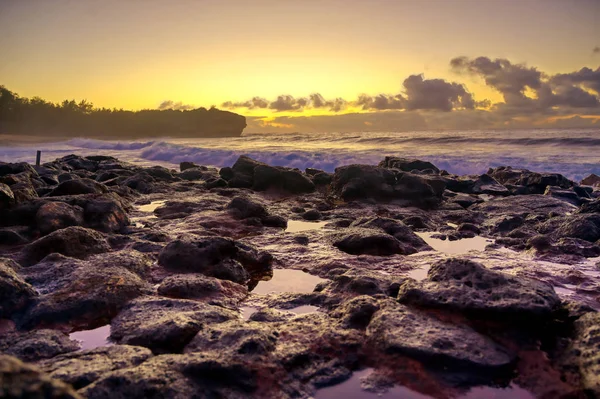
(255, 281)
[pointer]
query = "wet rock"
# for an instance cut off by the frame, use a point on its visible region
(85, 295)
(36, 345)
(584, 226)
(235, 336)
(78, 163)
(360, 241)
(469, 287)
(274, 221)
(7, 198)
(411, 243)
(187, 165)
(246, 165)
(591, 207)
(82, 368)
(77, 242)
(584, 351)
(535, 183)
(141, 182)
(106, 214)
(591, 180)
(132, 260)
(14, 168)
(199, 286)
(269, 315)
(160, 173)
(485, 184)
(465, 200)
(360, 282)
(78, 186)
(357, 312)
(322, 179)
(267, 177)
(53, 216)
(15, 293)
(215, 257)
(312, 214)
(178, 377)
(10, 237)
(569, 196)
(164, 324)
(20, 380)
(244, 208)
(407, 164)
(399, 330)
(364, 181)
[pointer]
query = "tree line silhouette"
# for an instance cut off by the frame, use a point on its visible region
(36, 116)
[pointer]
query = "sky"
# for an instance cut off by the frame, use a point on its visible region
(315, 65)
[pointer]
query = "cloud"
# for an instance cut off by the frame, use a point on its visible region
(596, 50)
(178, 106)
(255, 102)
(435, 94)
(526, 89)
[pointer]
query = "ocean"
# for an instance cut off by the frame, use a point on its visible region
(574, 152)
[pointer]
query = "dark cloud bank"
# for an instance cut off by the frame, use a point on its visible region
(531, 98)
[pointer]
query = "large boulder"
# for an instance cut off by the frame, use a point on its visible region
(361, 241)
(215, 257)
(78, 186)
(36, 345)
(535, 183)
(77, 242)
(83, 295)
(291, 180)
(201, 287)
(411, 242)
(53, 216)
(408, 164)
(105, 214)
(15, 168)
(591, 180)
(585, 226)
(21, 380)
(400, 330)
(165, 324)
(82, 368)
(244, 208)
(15, 293)
(355, 182)
(469, 287)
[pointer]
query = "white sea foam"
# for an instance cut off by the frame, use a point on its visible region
(574, 153)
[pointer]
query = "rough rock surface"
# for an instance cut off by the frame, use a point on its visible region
(21, 380)
(54, 216)
(82, 368)
(77, 242)
(15, 293)
(400, 330)
(584, 351)
(164, 324)
(36, 345)
(466, 286)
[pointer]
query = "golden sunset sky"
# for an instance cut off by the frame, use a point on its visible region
(137, 54)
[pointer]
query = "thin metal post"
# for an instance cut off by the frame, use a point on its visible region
(38, 157)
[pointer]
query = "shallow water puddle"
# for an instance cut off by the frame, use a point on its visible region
(288, 280)
(151, 206)
(296, 226)
(247, 311)
(91, 339)
(455, 247)
(351, 389)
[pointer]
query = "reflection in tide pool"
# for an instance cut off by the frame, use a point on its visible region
(296, 226)
(288, 280)
(151, 206)
(456, 247)
(91, 339)
(351, 389)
